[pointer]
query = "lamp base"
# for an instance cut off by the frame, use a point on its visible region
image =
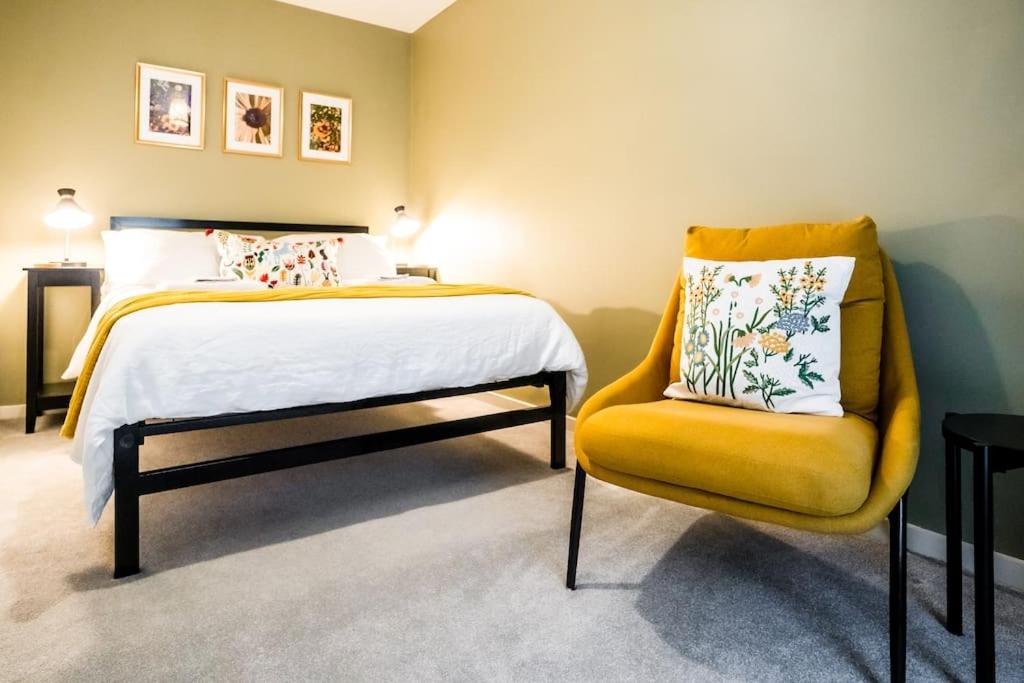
(66, 264)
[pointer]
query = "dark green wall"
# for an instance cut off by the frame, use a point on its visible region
(963, 286)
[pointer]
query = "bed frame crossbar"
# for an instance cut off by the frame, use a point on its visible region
(192, 424)
(130, 483)
(169, 478)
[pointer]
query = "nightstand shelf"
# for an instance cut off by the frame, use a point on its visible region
(53, 395)
(40, 396)
(417, 271)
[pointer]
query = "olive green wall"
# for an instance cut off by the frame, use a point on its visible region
(563, 145)
(67, 70)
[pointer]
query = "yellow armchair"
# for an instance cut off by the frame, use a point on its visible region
(822, 474)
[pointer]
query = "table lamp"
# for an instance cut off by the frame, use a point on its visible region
(404, 225)
(67, 215)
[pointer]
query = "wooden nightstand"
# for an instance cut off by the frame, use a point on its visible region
(40, 397)
(417, 271)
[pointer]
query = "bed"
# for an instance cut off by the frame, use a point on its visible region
(207, 360)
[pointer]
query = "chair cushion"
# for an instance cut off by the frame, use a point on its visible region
(863, 304)
(803, 463)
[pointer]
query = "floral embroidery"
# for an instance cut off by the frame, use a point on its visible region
(744, 340)
(741, 347)
(774, 342)
(278, 263)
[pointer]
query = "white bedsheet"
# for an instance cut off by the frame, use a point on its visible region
(123, 292)
(189, 360)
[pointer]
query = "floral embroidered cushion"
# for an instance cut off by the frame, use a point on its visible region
(278, 263)
(763, 334)
(863, 305)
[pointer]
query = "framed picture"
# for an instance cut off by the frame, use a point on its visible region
(253, 118)
(325, 128)
(170, 106)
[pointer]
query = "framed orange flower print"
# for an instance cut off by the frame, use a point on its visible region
(325, 128)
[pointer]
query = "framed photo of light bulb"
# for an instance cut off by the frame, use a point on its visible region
(170, 106)
(253, 118)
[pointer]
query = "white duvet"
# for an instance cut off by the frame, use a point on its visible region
(190, 360)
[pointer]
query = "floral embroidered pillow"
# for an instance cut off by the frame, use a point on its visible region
(763, 334)
(278, 263)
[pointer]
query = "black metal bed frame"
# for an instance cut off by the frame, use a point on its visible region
(131, 483)
(128, 222)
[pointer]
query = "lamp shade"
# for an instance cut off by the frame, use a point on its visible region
(67, 214)
(404, 225)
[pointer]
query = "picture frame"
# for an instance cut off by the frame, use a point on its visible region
(325, 127)
(253, 118)
(170, 106)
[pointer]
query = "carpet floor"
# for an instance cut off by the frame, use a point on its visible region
(440, 562)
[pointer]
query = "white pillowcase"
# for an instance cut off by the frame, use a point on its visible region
(763, 334)
(360, 256)
(139, 256)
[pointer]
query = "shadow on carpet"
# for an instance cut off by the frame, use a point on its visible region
(197, 524)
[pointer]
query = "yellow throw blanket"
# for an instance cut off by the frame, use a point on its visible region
(169, 298)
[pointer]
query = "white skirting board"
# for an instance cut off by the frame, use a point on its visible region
(1009, 570)
(12, 412)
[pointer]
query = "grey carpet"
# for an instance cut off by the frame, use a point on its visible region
(439, 562)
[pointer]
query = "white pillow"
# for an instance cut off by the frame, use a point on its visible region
(232, 285)
(763, 334)
(139, 256)
(360, 256)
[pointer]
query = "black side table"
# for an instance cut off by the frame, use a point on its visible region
(38, 397)
(997, 442)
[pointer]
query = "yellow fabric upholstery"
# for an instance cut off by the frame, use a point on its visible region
(805, 463)
(894, 454)
(862, 307)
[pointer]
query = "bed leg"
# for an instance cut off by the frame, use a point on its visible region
(557, 388)
(126, 501)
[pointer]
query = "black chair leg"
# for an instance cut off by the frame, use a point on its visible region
(898, 592)
(954, 553)
(575, 526)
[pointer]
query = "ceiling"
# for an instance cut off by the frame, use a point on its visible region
(403, 15)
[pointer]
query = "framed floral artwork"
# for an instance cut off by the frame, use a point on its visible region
(170, 106)
(325, 128)
(253, 118)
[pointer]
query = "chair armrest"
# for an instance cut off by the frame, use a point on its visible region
(644, 383)
(648, 380)
(899, 409)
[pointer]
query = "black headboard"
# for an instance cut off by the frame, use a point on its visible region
(123, 222)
